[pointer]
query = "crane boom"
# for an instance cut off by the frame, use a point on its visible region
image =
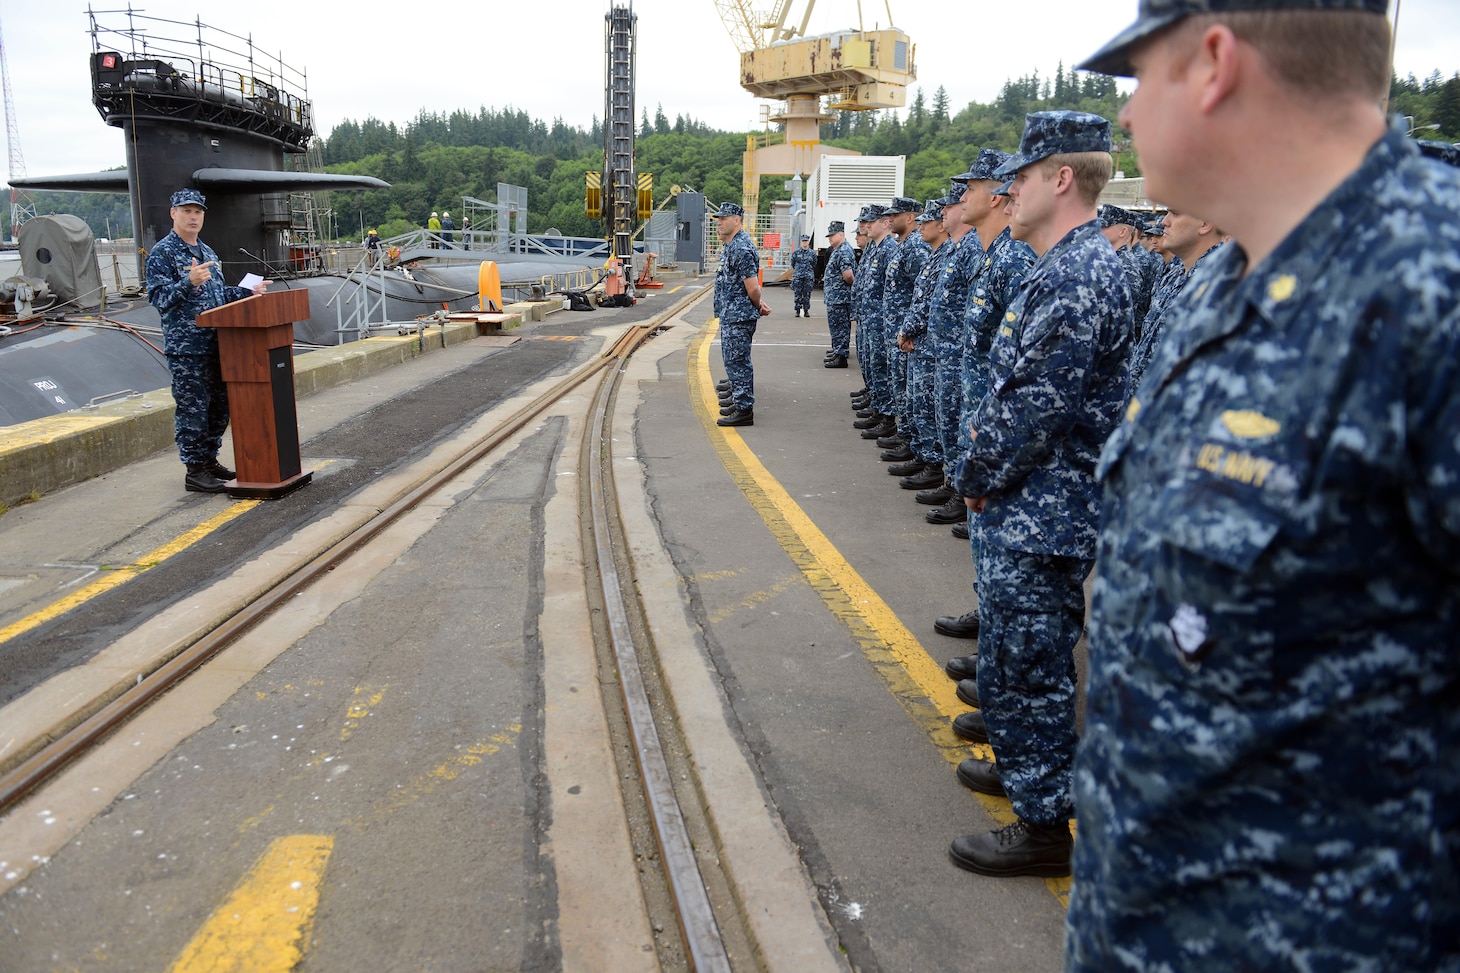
(742, 24)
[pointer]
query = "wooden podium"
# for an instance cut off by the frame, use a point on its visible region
(255, 348)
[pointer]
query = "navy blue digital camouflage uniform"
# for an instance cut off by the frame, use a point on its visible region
(995, 284)
(1270, 771)
(803, 277)
(192, 352)
(905, 263)
(946, 315)
(1057, 373)
(861, 283)
(1150, 332)
(1141, 266)
(738, 317)
(921, 410)
(872, 323)
(1140, 276)
(837, 294)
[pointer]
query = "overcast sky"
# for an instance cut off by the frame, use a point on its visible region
(390, 60)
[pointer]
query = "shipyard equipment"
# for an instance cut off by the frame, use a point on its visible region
(848, 70)
(618, 195)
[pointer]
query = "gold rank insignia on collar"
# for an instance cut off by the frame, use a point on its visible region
(1282, 287)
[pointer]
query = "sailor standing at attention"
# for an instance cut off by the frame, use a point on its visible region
(836, 290)
(739, 307)
(803, 276)
(181, 284)
(1269, 774)
(1057, 375)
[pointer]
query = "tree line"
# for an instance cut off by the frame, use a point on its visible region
(437, 159)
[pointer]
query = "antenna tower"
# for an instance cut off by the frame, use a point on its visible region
(22, 207)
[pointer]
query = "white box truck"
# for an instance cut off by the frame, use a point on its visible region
(841, 185)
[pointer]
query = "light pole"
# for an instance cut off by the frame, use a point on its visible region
(1409, 121)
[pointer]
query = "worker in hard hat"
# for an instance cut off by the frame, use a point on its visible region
(448, 230)
(433, 225)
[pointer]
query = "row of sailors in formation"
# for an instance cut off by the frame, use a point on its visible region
(928, 295)
(949, 305)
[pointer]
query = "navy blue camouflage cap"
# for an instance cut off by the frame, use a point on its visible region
(189, 197)
(835, 227)
(1003, 189)
(1111, 215)
(1156, 15)
(805, 237)
(955, 193)
(932, 210)
(1444, 151)
(903, 204)
(1048, 133)
(728, 209)
(869, 213)
(1155, 226)
(984, 166)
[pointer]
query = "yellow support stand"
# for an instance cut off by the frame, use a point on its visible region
(489, 286)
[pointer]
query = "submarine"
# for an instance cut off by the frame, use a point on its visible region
(199, 107)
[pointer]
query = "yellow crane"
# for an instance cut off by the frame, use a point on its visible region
(846, 70)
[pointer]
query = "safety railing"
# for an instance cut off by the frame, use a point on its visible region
(364, 302)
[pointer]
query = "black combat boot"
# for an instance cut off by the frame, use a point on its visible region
(936, 496)
(737, 417)
(1022, 848)
(220, 471)
(202, 479)
(899, 454)
(963, 626)
(970, 726)
(962, 667)
(931, 476)
(982, 776)
(953, 511)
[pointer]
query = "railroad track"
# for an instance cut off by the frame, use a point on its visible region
(702, 931)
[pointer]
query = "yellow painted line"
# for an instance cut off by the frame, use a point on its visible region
(46, 430)
(757, 599)
(263, 927)
(675, 290)
(443, 773)
(364, 702)
(120, 576)
(914, 679)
